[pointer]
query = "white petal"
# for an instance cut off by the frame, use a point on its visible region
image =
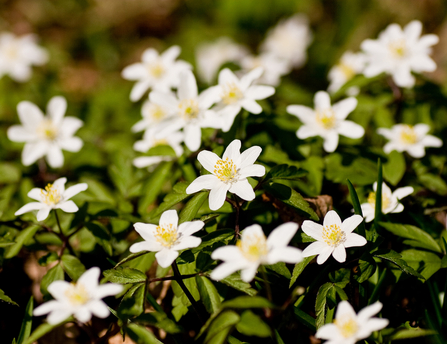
(207, 181)
(351, 223)
(188, 242)
(324, 254)
(403, 192)
(187, 88)
(99, 308)
(330, 142)
(251, 76)
(344, 309)
(190, 227)
(18, 133)
(314, 248)
(344, 107)
(351, 130)
(164, 99)
(258, 92)
(327, 331)
(30, 115)
(227, 76)
(243, 189)
(366, 313)
(29, 207)
(339, 253)
(56, 109)
(169, 217)
(304, 113)
(332, 218)
(403, 78)
(83, 314)
(226, 269)
(139, 89)
(354, 240)
(90, 278)
(69, 126)
(218, 195)
(72, 144)
(252, 171)
(249, 156)
(146, 161)
(249, 272)
(59, 315)
(431, 141)
(306, 131)
(233, 150)
(166, 257)
(416, 151)
(251, 106)
(74, 190)
(43, 213)
(286, 254)
(151, 246)
(34, 151)
(46, 308)
(169, 55)
(193, 137)
(54, 156)
(134, 71)
(312, 229)
(281, 235)
(108, 289)
(322, 100)
(68, 207)
(208, 160)
(35, 193)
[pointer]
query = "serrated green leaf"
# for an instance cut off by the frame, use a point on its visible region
(141, 335)
(418, 237)
(221, 327)
(221, 235)
(292, 198)
(281, 269)
(130, 257)
(251, 324)
(4, 297)
(125, 275)
(234, 281)
(396, 259)
(132, 303)
(285, 171)
(208, 294)
(72, 266)
(191, 208)
(20, 240)
(27, 322)
(299, 268)
(320, 304)
(56, 273)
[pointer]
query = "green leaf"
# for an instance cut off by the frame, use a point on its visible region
(56, 273)
(4, 297)
(281, 269)
(72, 266)
(285, 171)
(125, 275)
(9, 173)
(20, 240)
(434, 183)
(396, 259)
(159, 320)
(27, 322)
(48, 258)
(394, 169)
(154, 185)
(251, 324)
(177, 195)
(234, 281)
(366, 268)
(357, 207)
(43, 330)
(357, 169)
(141, 335)
(321, 302)
(221, 235)
(248, 302)
(378, 204)
(411, 333)
(299, 268)
(208, 294)
(305, 319)
(191, 208)
(221, 327)
(427, 263)
(130, 257)
(132, 303)
(102, 236)
(418, 237)
(292, 198)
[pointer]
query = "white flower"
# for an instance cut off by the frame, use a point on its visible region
(190, 110)
(333, 237)
(236, 94)
(327, 121)
(228, 174)
(167, 238)
(211, 56)
(398, 52)
(254, 249)
(390, 201)
(81, 299)
(289, 40)
(150, 140)
(413, 139)
(18, 54)
(161, 72)
(46, 135)
(273, 66)
(153, 115)
(349, 327)
(54, 196)
(350, 65)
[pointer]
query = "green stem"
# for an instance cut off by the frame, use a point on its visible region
(58, 223)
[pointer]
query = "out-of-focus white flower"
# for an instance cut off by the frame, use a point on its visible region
(81, 299)
(211, 56)
(350, 65)
(289, 40)
(18, 54)
(274, 67)
(254, 249)
(46, 135)
(54, 196)
(150, 140)
(349, 327)
(390, 201)
(327, 121)
(236, 94)
(333, 237)
(413, 139)
(228, 174)
(399, 52)
(167, 238)
(159, 72)
(190, 110)
(153, 114)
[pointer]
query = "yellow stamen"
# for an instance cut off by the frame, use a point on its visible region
(47, 130)
(333, 235)
(385, 200)
(77, 294)
(50, 195)
(398, 48)
(166, 235)
(253, 247)
(407, 135)
(225, 170)
(347, 326)
(231, 93)
(156, 70)
(189, 109)
(347, 71)
(326, 118)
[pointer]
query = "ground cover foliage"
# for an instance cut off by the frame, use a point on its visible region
(291, 184)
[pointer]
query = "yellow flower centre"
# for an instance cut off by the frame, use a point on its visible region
(156, 70)
(347, 71)
(77, 294)
(189, 109)
(11, 51)
(253, 247)
(347, 326)
(166, 235)
(385, 200)
(50, 195)
(398, 48)
(326, 118)
(47, 130)
(225, 170)
(408, 136)
(231, 93)
(155, 113)
(333, 235)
